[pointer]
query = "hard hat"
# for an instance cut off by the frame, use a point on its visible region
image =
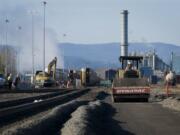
(46, 69)
(129, 62)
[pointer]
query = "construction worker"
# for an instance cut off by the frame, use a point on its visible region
(170, 81)
(16, 81)
(10, 80)
(129, 66)
(68, 83)
(130, 72)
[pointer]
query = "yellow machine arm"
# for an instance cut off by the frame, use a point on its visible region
(52, 67)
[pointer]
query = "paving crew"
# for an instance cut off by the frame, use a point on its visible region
(129, 66)
(10, 80)
(170, 81)
(16, 81)
(130, 71)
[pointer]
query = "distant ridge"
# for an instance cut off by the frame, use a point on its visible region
(107, 54)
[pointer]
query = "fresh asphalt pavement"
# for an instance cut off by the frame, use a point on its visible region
(135, 118)
(138, 118)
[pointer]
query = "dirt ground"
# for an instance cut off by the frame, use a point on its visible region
(50, 120)
(13, 96)
(95, 114)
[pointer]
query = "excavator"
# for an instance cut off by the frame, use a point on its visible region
(46, 79)
(128, 83)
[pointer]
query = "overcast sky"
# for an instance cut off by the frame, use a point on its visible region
(98, 21)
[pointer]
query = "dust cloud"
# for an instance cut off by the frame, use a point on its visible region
(19, 34)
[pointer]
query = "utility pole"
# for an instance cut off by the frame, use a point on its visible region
(44, 35)
(32, 15)
(19, 56)
(64, 36)
(6, 48)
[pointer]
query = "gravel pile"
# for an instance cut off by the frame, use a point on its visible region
(50, 123)
(157, 97)
(172, 103)
(86, 120)
(94, 94)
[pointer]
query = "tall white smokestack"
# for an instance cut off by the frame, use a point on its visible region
(124, 33)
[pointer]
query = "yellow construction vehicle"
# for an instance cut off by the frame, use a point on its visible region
(128, 82)
(47, 79)
(89, 77)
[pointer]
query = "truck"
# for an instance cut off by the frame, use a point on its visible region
(129, 84)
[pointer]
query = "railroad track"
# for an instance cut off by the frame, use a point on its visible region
(15, 102)
(18, 112)
(41, 90)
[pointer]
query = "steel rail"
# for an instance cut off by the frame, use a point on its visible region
(16, 113)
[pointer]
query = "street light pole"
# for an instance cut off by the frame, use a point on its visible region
(64, 36)
(19, 62)
(44, 35)
(32, 15)
(18, 51)
(6, 49)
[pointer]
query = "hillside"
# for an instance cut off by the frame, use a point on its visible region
(106, 55)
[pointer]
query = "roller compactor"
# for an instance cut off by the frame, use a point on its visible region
(128, 83)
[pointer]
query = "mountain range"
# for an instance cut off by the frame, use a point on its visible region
(106, 55)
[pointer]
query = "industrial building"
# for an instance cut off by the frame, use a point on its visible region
(152, 60)
(175, 63)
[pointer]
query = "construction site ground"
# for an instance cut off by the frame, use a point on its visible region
(13, 96)
(95, 113)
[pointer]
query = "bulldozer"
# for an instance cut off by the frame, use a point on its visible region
(46, 79)
(128, 83)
